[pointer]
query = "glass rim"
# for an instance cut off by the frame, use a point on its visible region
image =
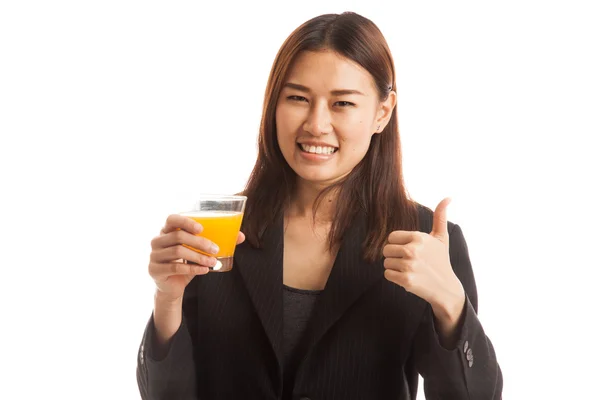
(220, 197)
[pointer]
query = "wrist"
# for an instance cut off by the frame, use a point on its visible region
(167, 319)
(166, 301)
(448, 310)
(448, 318)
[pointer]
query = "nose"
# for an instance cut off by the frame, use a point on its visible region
(318, 120)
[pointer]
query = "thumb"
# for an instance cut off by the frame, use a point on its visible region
(440, 221)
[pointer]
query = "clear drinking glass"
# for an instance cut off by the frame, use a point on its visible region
(221, 216)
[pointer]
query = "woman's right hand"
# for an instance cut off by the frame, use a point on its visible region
(168, 258)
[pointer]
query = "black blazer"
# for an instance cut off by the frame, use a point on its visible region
(368, 338)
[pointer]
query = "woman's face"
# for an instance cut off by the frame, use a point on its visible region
(326, 114)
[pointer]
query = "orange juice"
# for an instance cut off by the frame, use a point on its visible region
(220, 227)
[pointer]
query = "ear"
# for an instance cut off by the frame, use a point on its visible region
(384, 112)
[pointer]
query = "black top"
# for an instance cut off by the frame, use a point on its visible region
(297, 309)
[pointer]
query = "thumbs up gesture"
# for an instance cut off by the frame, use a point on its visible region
(420, 263)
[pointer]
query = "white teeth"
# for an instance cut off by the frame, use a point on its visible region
(318, 149)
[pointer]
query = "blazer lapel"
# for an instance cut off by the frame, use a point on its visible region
(262, 272)
(350, 277)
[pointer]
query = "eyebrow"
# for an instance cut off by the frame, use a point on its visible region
(336, 92)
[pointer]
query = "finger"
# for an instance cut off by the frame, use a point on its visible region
(398, 264)
(240, 239)
(398, 251)
(440, 221)
(171, 254)
(403, 237)
(184, 238)
(176, 221)
(161, 271)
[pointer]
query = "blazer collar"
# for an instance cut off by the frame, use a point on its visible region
(350, 277)
(262, 273)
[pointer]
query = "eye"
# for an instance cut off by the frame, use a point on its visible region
(344, 104)
(297, 98)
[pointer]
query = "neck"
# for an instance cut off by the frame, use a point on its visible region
(304, 200)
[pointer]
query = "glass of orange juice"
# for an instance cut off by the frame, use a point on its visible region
(221, 216)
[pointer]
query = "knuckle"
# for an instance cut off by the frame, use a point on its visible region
(171, 220)
(178, 251)
(388, 263)
(154, 242)
(388, 275)
(386, 250)
(418, 237)
(391, 237)
(179, 236)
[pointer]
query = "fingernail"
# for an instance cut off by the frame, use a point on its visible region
(214, 249)
(198, 227)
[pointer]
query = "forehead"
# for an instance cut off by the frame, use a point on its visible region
(328, 70)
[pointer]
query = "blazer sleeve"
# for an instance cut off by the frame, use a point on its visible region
(174, 376)
(470, 369)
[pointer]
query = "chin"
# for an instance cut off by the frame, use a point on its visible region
(318, 177)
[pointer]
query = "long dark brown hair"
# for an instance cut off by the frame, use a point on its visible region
(375, 186)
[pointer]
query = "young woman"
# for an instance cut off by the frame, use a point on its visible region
(342, 286)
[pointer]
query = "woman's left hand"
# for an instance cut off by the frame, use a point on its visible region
(420, 263)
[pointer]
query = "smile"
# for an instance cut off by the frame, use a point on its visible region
(317, 149)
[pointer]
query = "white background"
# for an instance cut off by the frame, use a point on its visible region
(114, 114)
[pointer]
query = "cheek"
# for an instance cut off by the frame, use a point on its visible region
(289, 117)
(281, 120)
(284, 130)
(288, 122)
(356, 138)
(357, 124)
(360, 130)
